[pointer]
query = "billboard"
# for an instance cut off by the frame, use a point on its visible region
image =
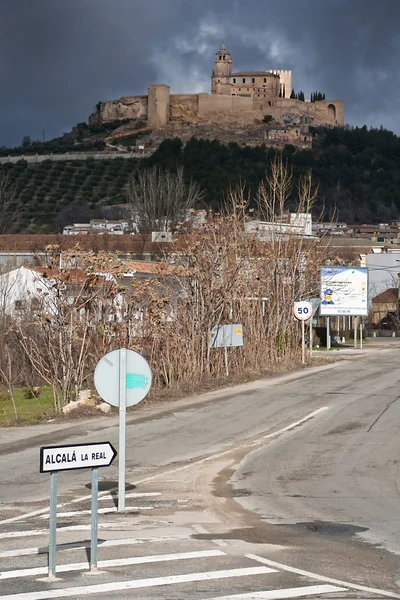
(344, 291)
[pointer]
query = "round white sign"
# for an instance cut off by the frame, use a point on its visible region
(138, 377)
(302, 310)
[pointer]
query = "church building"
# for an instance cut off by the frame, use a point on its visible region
(257, 84)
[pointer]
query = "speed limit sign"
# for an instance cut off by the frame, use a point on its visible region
(302, 310)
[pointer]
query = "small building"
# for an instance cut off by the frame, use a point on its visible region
(384, 305)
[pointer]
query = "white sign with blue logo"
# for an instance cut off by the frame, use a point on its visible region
(344, 291)
(138, 377)
(122, 378)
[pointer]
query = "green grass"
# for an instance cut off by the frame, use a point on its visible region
(30, 410)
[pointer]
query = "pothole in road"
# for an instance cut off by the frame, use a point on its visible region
(325, 528)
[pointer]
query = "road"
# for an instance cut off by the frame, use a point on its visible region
(280, 488)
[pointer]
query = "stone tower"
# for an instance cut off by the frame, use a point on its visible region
(220, 80)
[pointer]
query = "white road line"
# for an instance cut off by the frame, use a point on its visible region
(167, 471)
(117, 526)
(117, 562)
(119, 586)
(106, 510)
(109, 496)
(86, 544)
(285, 593)
(353, 586)
(296, 423)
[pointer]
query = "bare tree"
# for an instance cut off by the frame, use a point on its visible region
(161, 199)
(10, 205)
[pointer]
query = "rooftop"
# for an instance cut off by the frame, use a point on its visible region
(389, 296)
(254, 74)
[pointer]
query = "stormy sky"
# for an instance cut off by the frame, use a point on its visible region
(58, 58)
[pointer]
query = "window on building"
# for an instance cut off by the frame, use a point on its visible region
(253, 80)
(234, 80)
(265, 80)
(220, 58)
(244, 80)
(224, 56)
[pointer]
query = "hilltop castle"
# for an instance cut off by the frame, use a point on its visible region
(240, 98)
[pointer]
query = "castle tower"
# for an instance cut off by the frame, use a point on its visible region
(285, 78)
(220, 80)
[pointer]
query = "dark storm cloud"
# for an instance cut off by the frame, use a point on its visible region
(58, 58)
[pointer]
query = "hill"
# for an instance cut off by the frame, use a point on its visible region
(357, 170)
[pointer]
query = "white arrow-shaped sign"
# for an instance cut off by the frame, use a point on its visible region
(77, 456)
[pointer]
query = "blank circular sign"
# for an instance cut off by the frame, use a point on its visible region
(138, 377)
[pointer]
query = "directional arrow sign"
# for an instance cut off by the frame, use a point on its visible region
(77, 456)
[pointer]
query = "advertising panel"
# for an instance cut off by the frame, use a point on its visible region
(344, 291)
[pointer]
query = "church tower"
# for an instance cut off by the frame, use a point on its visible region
(221, 77)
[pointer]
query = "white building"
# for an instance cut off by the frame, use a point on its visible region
(299, 224)
(25, 289)
(98, 226)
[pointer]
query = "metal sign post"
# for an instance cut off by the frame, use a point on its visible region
(68, 458)
(303, 311)
(122, 430)
(226, 360)
(94, 522)
(122, 378)
(355, 332)
(328, 333)
(53, 525)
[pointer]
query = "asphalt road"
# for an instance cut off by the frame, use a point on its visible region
(286, 484)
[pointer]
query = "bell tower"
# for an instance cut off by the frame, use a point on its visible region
(220, 80)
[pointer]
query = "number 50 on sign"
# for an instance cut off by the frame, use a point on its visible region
(302, 310)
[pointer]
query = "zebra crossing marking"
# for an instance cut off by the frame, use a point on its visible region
(119, 586)
(115, 562)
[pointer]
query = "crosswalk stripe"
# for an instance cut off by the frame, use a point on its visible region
(86, 544)
(100, 511)
(119, 586)
(310, 574)
(117, 562)
(309, 590)
(131, 495)
(83, 527)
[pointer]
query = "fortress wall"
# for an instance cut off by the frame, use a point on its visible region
(127, 107)
(329, 112)
(210, 103)
(160, 107)
(183, 106)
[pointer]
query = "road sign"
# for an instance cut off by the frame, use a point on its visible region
(302, 310)
(76, 456)
(226, 335)
(122, 378)
(137, 381)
